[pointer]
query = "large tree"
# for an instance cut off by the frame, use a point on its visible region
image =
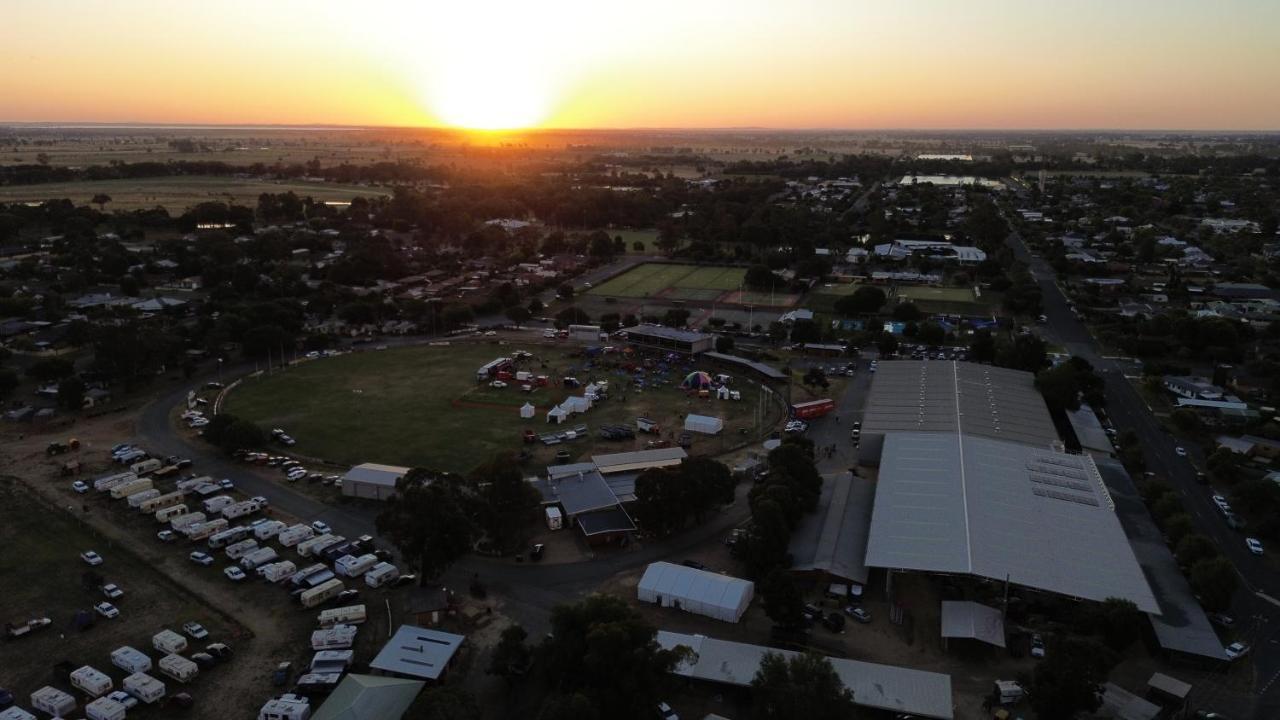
(428, 522)
(802, 687)
(1068, 681)
(510, 658)
(783, 601)
(864, 300)
(505, 501)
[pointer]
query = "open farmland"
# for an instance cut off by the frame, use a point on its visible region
(673, 282)
(176, 194)
(421, 406)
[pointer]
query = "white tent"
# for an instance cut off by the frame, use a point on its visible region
(592, 391)
(526, 411)
(557, 414)
(696, 591)
(576, 404)
(722, 393)
(703, 424)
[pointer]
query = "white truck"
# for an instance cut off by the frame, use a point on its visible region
(91, 681)
(237, 550)
(277, 571)
(161, 502)
(216, 503)
(104, 484)
(205, 529)
(307, 548)
(138, 499)
(178, 668)
(130, 659)
(136, 485)
(258, 558)
(170, 513)
(295, 534)
(242, 508)
(381, 574)
(338, 637)
(352, 566)
(146, 467)
(144, 687)
(182, 522)
(268, 529)
(231, 535)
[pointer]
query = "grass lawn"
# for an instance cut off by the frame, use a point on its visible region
(176, 194)
(421, 406)
(948, 301)
(824, 298)
(681, 281)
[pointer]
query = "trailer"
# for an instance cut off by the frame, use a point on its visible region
(352, 566)
(170, 513)
(286, 707)
(245, 507)
(295, 535)
(555, 519)
(144, 687)
(105, 708)
(216, 503)
(182, 522)
(129, 458)
(53, 701)
(326, 661)
(300, 576)
(130, 659)
(258, 558)
(307, 548)
(191, 484)
(13, 712)
(321, 593)
(91, 681)
(318, 579)
(162, 502)
(168, 642)
(237, 550)
(812, 409)
(277, 571)
(205, 529)
(350, 615)
(225, 538)
(104, 484)
(268, 529)
(338, 637)
(178, 668)
(136, 485)
(145, 467)
(381, 574)
(138, 499)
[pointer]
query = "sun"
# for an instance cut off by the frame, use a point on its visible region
(489, 95)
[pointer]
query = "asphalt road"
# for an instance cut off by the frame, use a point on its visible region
(1257, 604)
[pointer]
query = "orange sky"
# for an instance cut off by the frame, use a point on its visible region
(1177, 64)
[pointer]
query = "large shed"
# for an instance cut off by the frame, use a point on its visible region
(696, 591)
(372, 481)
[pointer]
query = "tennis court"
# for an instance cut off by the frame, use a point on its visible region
(680, 282)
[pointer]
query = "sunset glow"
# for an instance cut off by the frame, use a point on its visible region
(568, 63)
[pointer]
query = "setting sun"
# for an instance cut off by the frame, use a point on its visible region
(486, 97)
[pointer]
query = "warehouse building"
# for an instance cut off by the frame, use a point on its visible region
(659, 337)
(696, 591)
(372, 481)
(831, 543)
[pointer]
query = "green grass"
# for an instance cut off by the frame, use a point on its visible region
(421, 406)
(948, 301)
(824, 298)
(680, 281)
(176, 194)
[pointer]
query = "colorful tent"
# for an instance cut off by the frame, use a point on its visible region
(697, 380)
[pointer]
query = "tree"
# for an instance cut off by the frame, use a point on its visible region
(1059, 388)
(982, 347)
(760, 277)
(887, 343)
(865, 300)
(8, 381)
(907, 312)
(505, 501)
(660, 503)
(449, 702)
(724, 344)
(1214, 581)
(804, 686)
(50, 369)
(231, 433)
(1121, 623)
(805, 331)
(1178, 527)
(1194, 548)
(71, 394)
(427, 522)
(564, 291)
(1186, 420)
(572, 316)
(783, 601)
(101, 200)
(518, 315)
(601, 246)
(676, 317)
(510, 657)
(535, 306)
(1068, 681)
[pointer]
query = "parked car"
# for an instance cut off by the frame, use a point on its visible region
(167, 536)
(233, 573)
(195, 630)
(90, 557)
(200, 558)
(112, 591)
(106, 610)
(226, 484)
(347, 596)
(1181, 451)
(859, 614)
(1254, 545)
(321, 527)
(1237, 650)
(80, 487)
(834, 622)
(128, 701)
(1037, 646)
(218, 650)
(666, 713)
(1222, 619)
(203, 659)
(403, 580)
(695, 565)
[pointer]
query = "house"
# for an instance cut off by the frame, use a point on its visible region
(1192, 387)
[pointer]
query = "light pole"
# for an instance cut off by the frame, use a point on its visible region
(219, 370)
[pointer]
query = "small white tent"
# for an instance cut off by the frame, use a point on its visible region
(526, 411)
(557, 414)
(703, 424)
(722, 393)
(696, 591)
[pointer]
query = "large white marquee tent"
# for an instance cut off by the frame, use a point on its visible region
(696, 591)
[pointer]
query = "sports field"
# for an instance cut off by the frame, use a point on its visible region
(421, 406)
(951, 301)
(824, 297)
(675, 282)
(176, 194)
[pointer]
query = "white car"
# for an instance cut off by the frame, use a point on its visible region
(200, 558)
(167, 536)
(497, 384)
(226, 484)
(112, 591)
(128, 701)
(195, 630)
(296, 473)
(1182, 452)
(91, 557)
(1255, 546)
(106, 610)
(321, 527)
(1237, 650)
(80, 487)
(490, 333)
(666, 713)
(233, 573)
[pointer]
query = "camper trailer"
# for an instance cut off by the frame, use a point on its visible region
(224, 538)
(182, 522)
(555, 519)
(168, 642)
(216, 503)
(162, 502)
(326, 661)
(351, 615)
(268, 529)
(352, 566)
(205, 529)
(178, 668)
(338, 637)
(138, 499)
(144, 687)
(53, 701)
(286, 707)
(91, 681)
(13, 712)
(258, 558)
(321, 593)
(245, 507)
(237, 550)
(381, 574)
(192, 483)
(170, 513)
(295, 534)
(105, 709)
(277, 571)
(130, 659)
(307, 548)
(124, 490)
(298, 578)
(145, 467)
(104, 484)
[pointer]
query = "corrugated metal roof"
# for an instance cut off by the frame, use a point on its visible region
(973, 621)
(1089, 430)
(833, 538)
(417, 652)
(620, 462)
(885, 687)
(667, 333)
(580, 492)
(954, 503)
(766, 370)
(368, 696)
(605, 521)
(376, 474)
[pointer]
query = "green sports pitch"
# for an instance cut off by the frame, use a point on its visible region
(673, 282)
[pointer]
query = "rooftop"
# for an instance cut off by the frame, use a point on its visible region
(666, 333)
(833, 538)
(417, 652)
(376, 474)
(624, 461)
(954, 503)
(359, 697)
(972, 621)
(578, 492)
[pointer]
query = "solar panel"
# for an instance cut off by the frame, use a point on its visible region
(1060, 482)
(1056, 495)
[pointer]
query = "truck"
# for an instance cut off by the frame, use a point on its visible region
(91, 681)
(216, 503)
(170, 513)
(242, 508)
(53, 701)
(258, 558)
(104, 708)
(338, 637)
(321, 593)
(161, 502)
(168, 642)
(381, 574)
(26, 628)
(812, 409)
(144, 687)
(178, 668)
(295, 534)
(307, 548)
(146, 467)
(205, 529)
(237, 550)
(268, 529)
(350, 615)
(124, 490)
(138, 499)
(277, 571)
(353, 566)
(103, 484)
(182, 522)
(130, 659)
(231, 535)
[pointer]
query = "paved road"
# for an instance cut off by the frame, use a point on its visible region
(1256, 607)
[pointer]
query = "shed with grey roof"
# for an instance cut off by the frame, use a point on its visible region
(972, 621)
(832, 540)
(658, 337)
(416, 652)
(372, 480)
(639, 460)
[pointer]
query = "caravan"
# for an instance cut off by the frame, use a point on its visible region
(229, 536)
(91, 681)
(381, 574)
(131, 660)
(258, 558)
(246, 507)
(351, 615)
(352, 566)
(338, 637)
(275, 572)
(268, 529)
(105, 708)
(168, 641)
(216, 503)
(299, 577)
(307, 548)
(237, 550)
(205, 529)
(138, 499)
(104, 484)
(178, 668)
(182, 522)
(144, 687)
(53, 701)
(162, 502)
(295, 535)
(126, 489)
(145, 467)
(321, 593)
(170, 513)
